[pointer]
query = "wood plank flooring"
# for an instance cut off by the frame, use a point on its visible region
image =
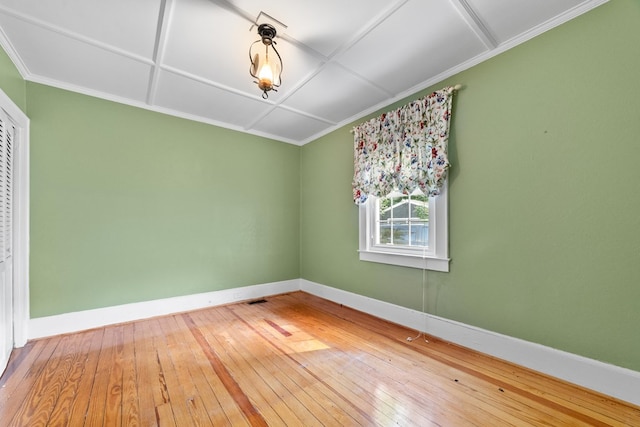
(293, 360)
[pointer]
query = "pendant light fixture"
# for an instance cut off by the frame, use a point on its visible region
(266, 64)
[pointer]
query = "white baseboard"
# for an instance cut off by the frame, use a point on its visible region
(89, 319)
(621, 383)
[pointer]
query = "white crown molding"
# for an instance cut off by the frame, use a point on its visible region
(483, 56)
(155, 108)
(13, 55)
(74, 35)
(621, 383)
(493, 48)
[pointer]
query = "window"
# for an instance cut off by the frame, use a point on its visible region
(404, 151)
(410, 231)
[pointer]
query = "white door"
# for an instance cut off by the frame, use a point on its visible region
(7, 134)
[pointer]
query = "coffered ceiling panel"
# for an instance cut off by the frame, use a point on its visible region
(323, 26)
(289, 125)
(207, 103)
(65, 61)
(341, 59)
(123, 24)
(199, 43)
(335, 93)
(418, 41)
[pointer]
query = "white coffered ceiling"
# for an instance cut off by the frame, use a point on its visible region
(189, 58)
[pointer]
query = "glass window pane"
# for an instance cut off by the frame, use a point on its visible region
(403, 221)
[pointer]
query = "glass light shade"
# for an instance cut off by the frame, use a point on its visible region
(268, 72)
(266, 66)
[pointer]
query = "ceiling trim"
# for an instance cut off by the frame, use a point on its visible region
(165, 16)
(368, 27)
(154, 108)
(552, 23)
(164, 19)
(13, 55)
(475, 23)
(75, 36)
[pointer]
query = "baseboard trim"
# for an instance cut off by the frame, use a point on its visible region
(89, 319)
(620, 383)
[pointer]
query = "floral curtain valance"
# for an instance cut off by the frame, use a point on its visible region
(404, 149)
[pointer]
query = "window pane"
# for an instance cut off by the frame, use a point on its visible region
(403, 221)
(385, 234)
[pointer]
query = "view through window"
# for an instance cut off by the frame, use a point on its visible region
(403, 221)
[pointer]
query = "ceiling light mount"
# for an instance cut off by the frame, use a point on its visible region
(267, 32)
(266, 66)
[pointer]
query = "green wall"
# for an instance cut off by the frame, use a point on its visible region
(130, 205)
(544, 197)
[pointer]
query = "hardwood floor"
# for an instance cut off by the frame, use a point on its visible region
(293, 360)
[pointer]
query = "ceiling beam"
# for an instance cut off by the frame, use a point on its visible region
(475, 23)
(164, 20)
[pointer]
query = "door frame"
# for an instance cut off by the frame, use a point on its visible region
(20, 220)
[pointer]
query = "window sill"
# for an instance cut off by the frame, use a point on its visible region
(412, 261)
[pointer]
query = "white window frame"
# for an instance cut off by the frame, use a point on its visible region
(435, 257)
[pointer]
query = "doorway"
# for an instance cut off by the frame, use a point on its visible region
(14, 230)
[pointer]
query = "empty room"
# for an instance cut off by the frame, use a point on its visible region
(292, 213)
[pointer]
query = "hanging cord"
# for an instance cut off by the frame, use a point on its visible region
(424, 314)
(424, 292)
